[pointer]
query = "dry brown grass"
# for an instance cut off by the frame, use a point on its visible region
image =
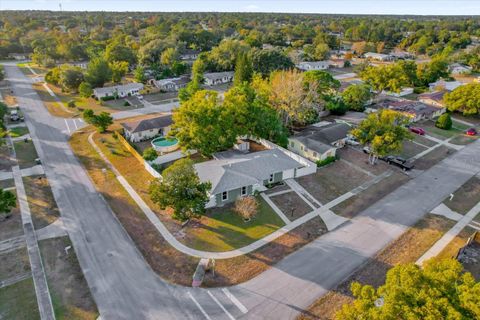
(408, 248)
(41, 201)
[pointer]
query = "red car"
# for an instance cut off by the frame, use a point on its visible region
(471, 132)
(417, 130)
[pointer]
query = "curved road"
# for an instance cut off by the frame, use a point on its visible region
(124, 286)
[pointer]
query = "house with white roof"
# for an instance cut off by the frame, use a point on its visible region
(189, 54)
(313, 65)
(170, 84)
(378, 56)
(238, 172)
(457, 68)
(119, 91)
(215, 78)
(444, 85)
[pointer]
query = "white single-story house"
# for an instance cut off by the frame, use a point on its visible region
(313, 65)
(215, 78)
(18, 56)
(337, 63)
(145, 129)
(457, 68)
(378, 56)
(319, 141)
(189, 54)
(402, 55)
(238, 172)
(403, 92)
(170, 84)
(444, 85)
(433, 98)
(119, 91)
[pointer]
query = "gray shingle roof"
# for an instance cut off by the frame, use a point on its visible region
(233, 170)
(147, 124)
(327, 134)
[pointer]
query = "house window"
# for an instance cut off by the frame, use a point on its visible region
(224, 195)
(271, 178)
(301, 148)
(244, 191)
(292, 144)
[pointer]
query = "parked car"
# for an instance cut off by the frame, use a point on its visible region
(366, 150)
(352, 142)
(417, 130)
(14, 115)
(471, 132)
(399, 162)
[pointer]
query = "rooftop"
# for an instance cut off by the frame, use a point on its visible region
(147, 124)
(121, 87)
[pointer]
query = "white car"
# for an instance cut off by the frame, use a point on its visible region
(352, 142)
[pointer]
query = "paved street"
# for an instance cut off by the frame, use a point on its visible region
(125, 287)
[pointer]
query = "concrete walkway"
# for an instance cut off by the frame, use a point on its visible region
(32, 171)
(443, 210)
(304, 194)
(172, 156)
(450, 235)
(39, 280)
(463, 122)
(53, 230)
(12, 244)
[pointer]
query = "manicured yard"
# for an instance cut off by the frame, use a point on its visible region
(332, 181)
(408, 248)
(222, 229)
(18, 301)
(26, 153)
(463, 139)
(70, 294)
(43, 207)
(429, 126)
(17, 131)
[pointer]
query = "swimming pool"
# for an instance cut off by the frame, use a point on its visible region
(163, 144)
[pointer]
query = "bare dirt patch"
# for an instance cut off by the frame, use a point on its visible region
(332, 181)
(408, 248)
(465, 197)
(40, 198)
(14, 263)
(360, 159)
(70, 293)
(6, 160)
(291, 205)
(433, 157)
(411, 149)
(361, 201)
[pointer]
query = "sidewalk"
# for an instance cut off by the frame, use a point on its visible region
(39, 280)
(450, 235)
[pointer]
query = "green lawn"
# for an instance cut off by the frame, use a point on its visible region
(17, 131)
(441, 133)
(223, 229)
(18, 301)
(26, 153)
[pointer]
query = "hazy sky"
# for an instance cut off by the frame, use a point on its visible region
(421, 7)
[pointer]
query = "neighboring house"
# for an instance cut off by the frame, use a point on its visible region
(145, 129)
(403, 92)
(444, 85)
(414, 110)
(402, 55)
(18, 56)
(215, 78)
(119, 91)
(378, 56)
(80, 64)
(237, 173)
(319, 141)
(171, 84)
(457, 68)
(313, 65)
(189, 54)
(433, 98)
(337, 63)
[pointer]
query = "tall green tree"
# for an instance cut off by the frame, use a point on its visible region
(356, 96)
(464, 99)
(439, 290)
(243, 70)
(119, 69)
(98, 72)
(85, 90)
(70, 78)
(139, 74)
(181, 190)
(267, 61)
(195, 84)
(384, 132)
(101, 121)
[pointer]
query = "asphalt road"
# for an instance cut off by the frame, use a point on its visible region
(124, 286)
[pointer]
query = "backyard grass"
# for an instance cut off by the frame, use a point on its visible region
(18, 301)
(222, 229)
(40, 198)
(71, 296)
(26, 153)
(17, 131)
(407, 248)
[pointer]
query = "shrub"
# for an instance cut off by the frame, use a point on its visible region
(126, 104)
(150, 154)
(115, 136)
(107, 98)
(71, 104)
(246, 207)
(444, 122)
(327, 160)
